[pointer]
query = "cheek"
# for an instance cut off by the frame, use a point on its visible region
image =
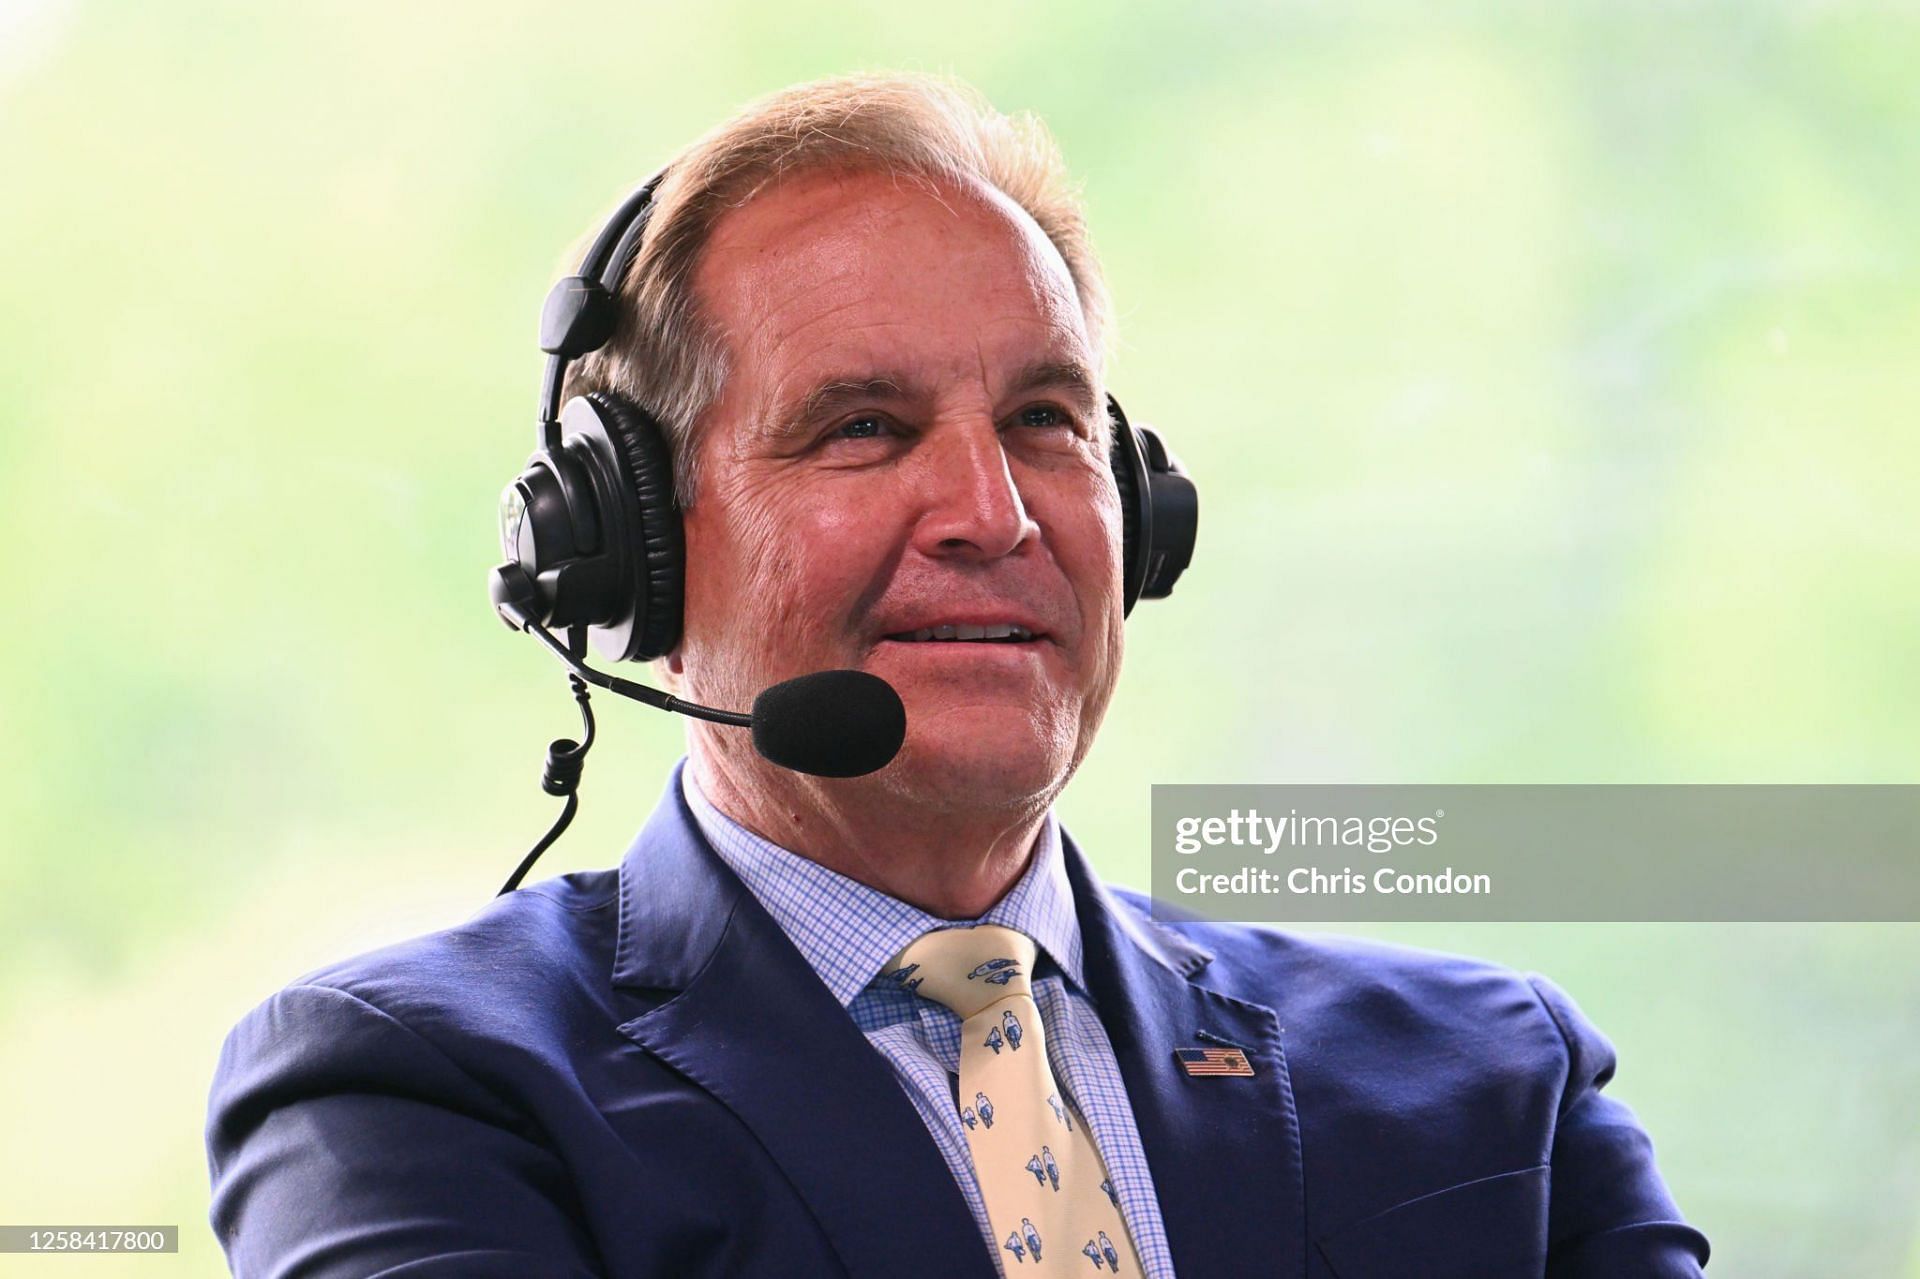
(1112, 530)
(1106, 595)
(1088, 538)
(766, 560)
(844, 551)
(732, 553)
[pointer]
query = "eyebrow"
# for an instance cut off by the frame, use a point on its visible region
(1070, 374)
(831, 396)
(838, 392)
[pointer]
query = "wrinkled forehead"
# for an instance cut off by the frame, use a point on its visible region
(837, 264)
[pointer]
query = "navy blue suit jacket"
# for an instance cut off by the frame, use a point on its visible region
(633, 1072)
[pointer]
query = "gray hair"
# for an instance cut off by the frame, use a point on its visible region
(665, 356)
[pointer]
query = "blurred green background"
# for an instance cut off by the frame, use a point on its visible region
(1552, 372)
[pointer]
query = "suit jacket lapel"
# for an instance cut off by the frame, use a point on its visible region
(1225, 1151)
(753, 1026)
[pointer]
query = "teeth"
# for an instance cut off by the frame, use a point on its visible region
(990, 631)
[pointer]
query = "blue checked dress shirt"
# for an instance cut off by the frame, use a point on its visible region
(848, 931)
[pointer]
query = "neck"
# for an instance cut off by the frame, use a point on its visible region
(951, 861)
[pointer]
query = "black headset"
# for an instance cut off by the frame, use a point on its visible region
(591, 529)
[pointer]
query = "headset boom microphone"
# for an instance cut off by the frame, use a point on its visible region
(842, 723)
(831, 723)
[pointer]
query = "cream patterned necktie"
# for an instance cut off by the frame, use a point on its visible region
(1049, 1199)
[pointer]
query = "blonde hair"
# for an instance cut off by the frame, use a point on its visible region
(664, 355)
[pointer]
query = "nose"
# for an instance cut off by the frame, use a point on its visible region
(973, 508)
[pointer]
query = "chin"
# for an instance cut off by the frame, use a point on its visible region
(969, 760)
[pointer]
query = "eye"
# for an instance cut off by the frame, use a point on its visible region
(1043, 415)
(860, 428)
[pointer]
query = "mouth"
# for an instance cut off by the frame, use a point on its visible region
(968, 633)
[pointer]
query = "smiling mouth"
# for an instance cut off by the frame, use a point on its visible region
(991, 633)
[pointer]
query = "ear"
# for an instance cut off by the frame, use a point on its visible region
(668, 668)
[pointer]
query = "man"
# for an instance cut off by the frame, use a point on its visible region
(895, 1025)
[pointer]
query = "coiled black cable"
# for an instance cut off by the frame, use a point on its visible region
(566, 759)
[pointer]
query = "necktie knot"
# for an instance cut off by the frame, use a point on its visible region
(967, 969)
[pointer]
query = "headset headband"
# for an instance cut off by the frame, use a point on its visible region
(582, 310)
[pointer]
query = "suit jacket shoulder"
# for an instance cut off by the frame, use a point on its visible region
(1399, 993)
(410, 1092)
(513, 974)
(1460, 1095)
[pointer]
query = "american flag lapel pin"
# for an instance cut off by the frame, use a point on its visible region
(1198, 1062)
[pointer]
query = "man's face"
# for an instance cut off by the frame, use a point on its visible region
(911, 438)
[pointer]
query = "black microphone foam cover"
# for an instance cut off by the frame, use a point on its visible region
(830, 723)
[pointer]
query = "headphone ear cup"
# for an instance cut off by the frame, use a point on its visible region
(1128, 467)
(647, 466)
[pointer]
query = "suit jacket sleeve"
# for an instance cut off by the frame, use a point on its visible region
(342, 1143)
(1610, 1213)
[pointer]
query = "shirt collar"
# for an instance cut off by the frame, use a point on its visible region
(847, 931)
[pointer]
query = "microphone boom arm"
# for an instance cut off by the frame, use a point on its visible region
(627, 688)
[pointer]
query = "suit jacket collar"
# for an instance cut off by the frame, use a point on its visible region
(747, 1019)
(677, 895)
(676, 898)
(848, 931)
